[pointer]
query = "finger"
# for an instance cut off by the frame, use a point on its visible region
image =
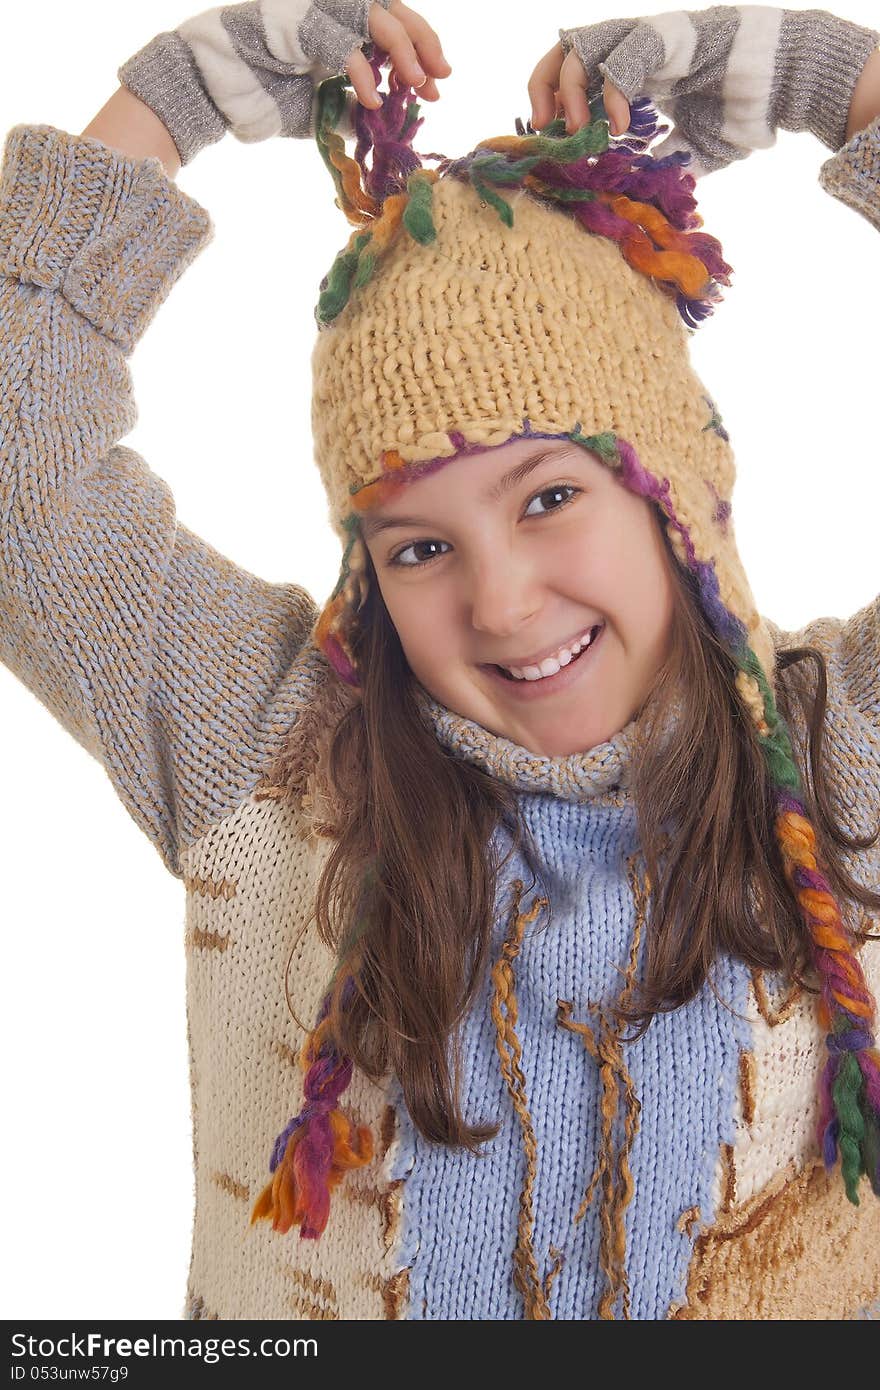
(617, 107)
(543, 85)
(573, 92)
(361, 75)
(425, 39)
(430, 90)
(388, 31)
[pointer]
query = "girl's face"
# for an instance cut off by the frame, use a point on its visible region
(497, 558)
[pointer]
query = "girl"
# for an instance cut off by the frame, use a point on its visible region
(514, 875)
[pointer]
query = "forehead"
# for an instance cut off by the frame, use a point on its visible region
(486, 475)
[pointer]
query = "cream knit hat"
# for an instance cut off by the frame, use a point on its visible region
(472, 322)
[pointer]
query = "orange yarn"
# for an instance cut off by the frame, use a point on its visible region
(285, 1200)
(798, 842)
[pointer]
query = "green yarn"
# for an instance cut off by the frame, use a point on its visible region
(355, 266)
(418, 218)
(412, 115)
(366, 266)
(553, 143)
(776, 744)
(847, 1089)
(335, 295)
(331, 107)
(351, 525)
(871, 1149)
(354, 932)
(495, 168)
(569, 195)
(501, 206)
(605, 444)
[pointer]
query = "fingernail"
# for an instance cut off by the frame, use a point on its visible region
(421, 75)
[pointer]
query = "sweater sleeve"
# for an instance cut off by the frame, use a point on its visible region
(853, 174)
(172, 666)
(851, 648)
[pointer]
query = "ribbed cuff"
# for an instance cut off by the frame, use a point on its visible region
(164, 76)
(112, 233)
(853, 174)
(818, 63)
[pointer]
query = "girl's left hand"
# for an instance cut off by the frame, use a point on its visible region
(728, 76)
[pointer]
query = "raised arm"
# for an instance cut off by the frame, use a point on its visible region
(166, 661)
(176, 668)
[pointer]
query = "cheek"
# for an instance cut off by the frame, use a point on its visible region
(422, 622)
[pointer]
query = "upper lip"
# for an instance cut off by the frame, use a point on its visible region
(547, 651)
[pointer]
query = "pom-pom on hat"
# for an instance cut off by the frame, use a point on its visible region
(542, 286)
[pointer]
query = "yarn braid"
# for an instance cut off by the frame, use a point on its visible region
(849, 1123)
(319, 1145)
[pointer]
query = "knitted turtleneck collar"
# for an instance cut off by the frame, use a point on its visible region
(601, 770)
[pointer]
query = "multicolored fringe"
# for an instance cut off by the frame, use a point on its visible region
(613, 187)
(319, 1145)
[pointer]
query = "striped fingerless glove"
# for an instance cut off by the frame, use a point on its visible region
(731, 75)
(253, 69)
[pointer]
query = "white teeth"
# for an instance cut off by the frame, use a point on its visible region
(551, 664)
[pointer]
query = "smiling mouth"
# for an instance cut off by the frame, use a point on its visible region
(519, 680)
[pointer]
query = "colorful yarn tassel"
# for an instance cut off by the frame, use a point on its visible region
(849, 1119)
(317, 1147)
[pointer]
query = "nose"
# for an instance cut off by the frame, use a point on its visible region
(503, 594)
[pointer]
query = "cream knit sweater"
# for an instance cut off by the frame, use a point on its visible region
(184, 675)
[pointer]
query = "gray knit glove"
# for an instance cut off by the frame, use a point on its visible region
(731, 75)
(253, 69)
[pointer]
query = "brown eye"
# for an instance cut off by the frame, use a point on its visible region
(555, 491)
(415, 545)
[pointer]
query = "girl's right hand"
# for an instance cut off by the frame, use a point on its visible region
(254, 68)
(727, 76)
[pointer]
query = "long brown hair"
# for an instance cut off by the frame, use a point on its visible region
(412, 827)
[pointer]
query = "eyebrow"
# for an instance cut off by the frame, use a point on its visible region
(372, 525)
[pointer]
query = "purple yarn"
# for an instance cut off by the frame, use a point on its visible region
(281, 1142)
(852, 1040)
(692, 313)
(393, 158)
(871, 1075)
(326, 1079)
(637, 478)
(316, 1146)
(644, 122)
(811, 878)
(829, 1143)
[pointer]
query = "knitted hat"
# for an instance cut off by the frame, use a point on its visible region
(506, 322)
(543, 286)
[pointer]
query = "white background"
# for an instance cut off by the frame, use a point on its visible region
(96, 1164)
